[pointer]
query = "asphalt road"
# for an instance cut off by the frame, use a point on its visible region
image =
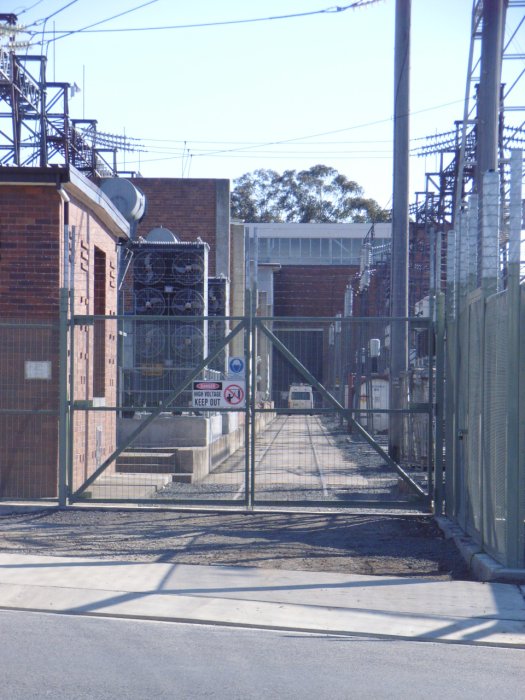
(45, 655)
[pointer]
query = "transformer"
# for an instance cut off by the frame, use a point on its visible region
(168, 281)
(218, 325)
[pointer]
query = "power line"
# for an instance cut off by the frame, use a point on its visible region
(102, 21)
(261, 157)
(328, 133)
(206, 151)
(329, 10)
(44, 20)
(27, 9)
(254, 143)
(247, 148)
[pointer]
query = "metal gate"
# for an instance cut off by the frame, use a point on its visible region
(162, 414)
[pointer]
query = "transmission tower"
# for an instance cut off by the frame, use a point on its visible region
(35, 126)
(482, 140)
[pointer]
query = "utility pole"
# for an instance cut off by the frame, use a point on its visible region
(488, 105)
(399, 261)
(487, 139)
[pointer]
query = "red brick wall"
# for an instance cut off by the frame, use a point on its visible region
(29, 251)
(31, 269)
(29, 280)
(188, 207)
(89, 234)
(311, 290)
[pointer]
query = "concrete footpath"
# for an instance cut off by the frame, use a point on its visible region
(407, 608)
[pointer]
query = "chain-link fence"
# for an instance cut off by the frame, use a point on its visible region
(274, 410)
(484, 422)
(29, 409)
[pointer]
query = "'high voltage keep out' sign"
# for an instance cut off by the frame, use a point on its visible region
(208, 394)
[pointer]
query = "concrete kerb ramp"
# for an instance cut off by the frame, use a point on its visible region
(417, 609)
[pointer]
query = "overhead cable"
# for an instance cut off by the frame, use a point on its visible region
(329, 10)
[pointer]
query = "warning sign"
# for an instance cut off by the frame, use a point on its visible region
(234, 394)
(207, 395)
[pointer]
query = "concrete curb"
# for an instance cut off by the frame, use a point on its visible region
(465, 612)
(262, 615)
(482, 565)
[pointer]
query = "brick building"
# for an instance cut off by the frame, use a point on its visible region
(57, 231)
(190, 208)
(305, 270)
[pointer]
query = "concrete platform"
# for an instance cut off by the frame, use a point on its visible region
(408, 608)
(127, 486)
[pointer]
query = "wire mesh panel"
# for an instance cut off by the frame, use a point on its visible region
(451, 492)
(462, 406)
(473, 435)
(326, 379)
(29, 409)
(160, 427)
(274, 422)
(495, 425)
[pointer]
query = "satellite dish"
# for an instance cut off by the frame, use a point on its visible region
(161, 235)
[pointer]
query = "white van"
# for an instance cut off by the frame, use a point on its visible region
(300, 396)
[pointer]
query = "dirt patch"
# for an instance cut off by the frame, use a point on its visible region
(389, 544)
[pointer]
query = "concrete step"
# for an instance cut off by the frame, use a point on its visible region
(127, 486)
(147, 461)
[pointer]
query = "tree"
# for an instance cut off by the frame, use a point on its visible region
(318, 195)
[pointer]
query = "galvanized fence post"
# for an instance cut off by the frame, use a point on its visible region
(252, 345)
(63, 417)
(440, 400)
(248, 475)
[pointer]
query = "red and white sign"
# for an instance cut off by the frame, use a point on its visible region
(208, 395)
(207, 386)
(234, 394)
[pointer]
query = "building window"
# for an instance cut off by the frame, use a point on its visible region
(274, 248)
(262, 252)
(337, 256)
(346, 250)
(315, 247)
(285, 247)
(305, 247)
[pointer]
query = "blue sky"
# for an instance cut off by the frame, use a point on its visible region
(220, 101)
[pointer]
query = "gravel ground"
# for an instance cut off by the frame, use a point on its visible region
(378, 544)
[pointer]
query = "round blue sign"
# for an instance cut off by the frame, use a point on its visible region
(236, 365)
